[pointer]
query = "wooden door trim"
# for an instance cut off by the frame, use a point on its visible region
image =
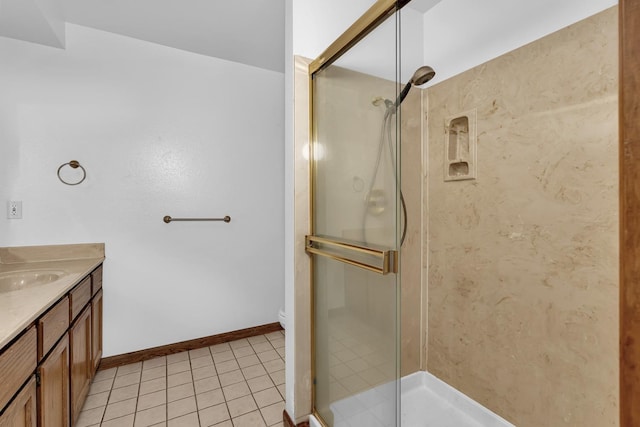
(629, 152)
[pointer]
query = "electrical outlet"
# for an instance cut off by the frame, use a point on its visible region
(14, 209)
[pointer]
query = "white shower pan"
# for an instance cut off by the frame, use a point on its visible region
(426, 401)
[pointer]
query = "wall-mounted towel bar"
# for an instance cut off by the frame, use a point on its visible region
(168, 219)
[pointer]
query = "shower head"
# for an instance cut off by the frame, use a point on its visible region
(420, 77)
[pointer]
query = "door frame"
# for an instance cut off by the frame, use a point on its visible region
(629, 175)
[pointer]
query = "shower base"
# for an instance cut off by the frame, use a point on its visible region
(426, 402)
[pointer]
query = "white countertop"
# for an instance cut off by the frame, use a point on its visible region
(19, 309)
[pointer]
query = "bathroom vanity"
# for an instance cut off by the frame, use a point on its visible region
(50, 332)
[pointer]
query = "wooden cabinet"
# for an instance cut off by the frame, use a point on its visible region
(96, 330)
(81, 363)
(17, 363)
(22, 411)
(63, 348)
(53, 391)
(79, 297)
(52, 326)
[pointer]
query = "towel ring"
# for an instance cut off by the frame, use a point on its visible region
(75, 165)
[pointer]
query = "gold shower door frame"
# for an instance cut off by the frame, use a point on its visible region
(369, 258)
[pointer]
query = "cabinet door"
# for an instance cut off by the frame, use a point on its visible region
(96, 329)
(81, 364)
(22, 411)
(53, 392)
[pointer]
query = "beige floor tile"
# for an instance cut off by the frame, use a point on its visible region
(101, 386)
(199, 352)
(278, 377)
(260, 383)
(175, 368)
(152, 386)
(105, 374)
(151, 400)
(123, 393)
(180, 392)
(154, 363)
(204, 372)
(177, 357)
(209, 398)
(189, 420)
(179, 379)
(213, 415)
(278, 424)
(262, 346)
(268, 355)
(272, 414)
(235, 391)
(120, 409)
(252, 419)
(126, 421)
(128, 369)
(257, 339)
(181, 407)
(282, 389)
(267, 397)
(243, 351)
(231, 377)
(274, 335)
(218, 348)
(223, 356)
(201, 361)
(90, 417)
(282, 352)
(200, 380)
(239, 343)
(151, 416)
(153, 373)
(274, 365)
(128, 379)
(207, 384)
(227, 366)
(278, 343)
(253, 371)
(241, 406)
(96, 400)
(250, 360)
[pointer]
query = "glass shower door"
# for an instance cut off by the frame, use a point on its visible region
(354, 239)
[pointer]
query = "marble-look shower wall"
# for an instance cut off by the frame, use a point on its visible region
(523, 261)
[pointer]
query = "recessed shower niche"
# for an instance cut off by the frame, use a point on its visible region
(460, 146)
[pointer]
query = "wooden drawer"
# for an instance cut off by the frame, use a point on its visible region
(79, 297)
(17, 363)
(96, 280)
(52, 326)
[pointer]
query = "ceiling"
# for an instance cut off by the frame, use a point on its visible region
(217, 28)
(250, 32)
(222, 29)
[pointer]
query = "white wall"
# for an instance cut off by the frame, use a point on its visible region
(160, 132)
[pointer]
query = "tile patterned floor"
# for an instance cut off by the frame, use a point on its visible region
(235, 384)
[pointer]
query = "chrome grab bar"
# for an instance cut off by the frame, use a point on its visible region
(388, 258)
(168, 219)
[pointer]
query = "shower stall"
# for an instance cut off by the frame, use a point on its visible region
(412, 255)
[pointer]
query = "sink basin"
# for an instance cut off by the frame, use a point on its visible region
(17, 280)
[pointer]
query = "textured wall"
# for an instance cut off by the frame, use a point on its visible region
(161, 132)
(523, 261)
